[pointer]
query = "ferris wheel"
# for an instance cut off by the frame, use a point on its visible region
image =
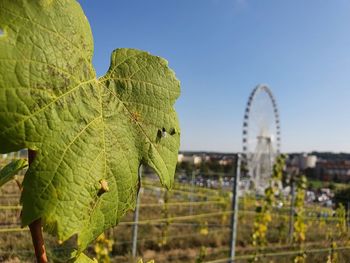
(261, 136)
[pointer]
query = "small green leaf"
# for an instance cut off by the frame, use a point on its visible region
(90, 134)
(8, 172)
(82, 258)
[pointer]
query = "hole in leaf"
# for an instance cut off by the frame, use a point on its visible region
(2, 33)
(161, 134)
(172, 131)
(164, 132)
(103, 187)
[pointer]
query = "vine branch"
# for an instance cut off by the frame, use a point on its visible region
(35, 227)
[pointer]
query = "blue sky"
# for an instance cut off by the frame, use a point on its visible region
(221, 49)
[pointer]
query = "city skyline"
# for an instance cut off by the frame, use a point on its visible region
(221, 49)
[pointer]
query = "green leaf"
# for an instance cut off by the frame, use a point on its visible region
(91, 134)
(8, 172)
(82, 258)
(141, 261)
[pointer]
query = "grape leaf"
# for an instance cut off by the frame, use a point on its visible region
(8, 172)
(90, 134)
(82, 258)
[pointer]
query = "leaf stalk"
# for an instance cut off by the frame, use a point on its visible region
(35, 227)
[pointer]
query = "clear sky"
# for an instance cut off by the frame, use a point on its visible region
(221, 49)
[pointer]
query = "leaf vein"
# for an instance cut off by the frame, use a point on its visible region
(46, 106)
(43, 28)
(65, 151)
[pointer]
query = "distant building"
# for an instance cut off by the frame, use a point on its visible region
(207, 159)
(336, 171)
(197, 160)
(193, 159)
(226, 161)
(304, 161)
(181, 158)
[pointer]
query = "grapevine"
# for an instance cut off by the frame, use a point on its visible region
(333, 255)
(263, 211)
(165, 226)
(340, 214)
(203, 231)
(299, 234)
(224, 199)
(103, 248)
(202, 254)
(141, 261)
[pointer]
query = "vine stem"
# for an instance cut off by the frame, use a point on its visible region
(35, 227)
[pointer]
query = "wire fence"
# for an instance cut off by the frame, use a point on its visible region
(281, 253)
(209, 217)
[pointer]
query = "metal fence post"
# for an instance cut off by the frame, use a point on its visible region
(234, 214)
(136, 218)
(291, 212)
(348, 216)
(192, 190)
